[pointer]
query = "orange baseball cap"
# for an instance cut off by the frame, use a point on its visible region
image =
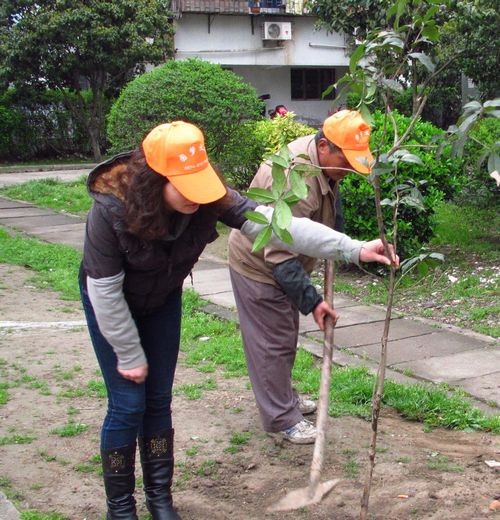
(350, 132)
(177, 151)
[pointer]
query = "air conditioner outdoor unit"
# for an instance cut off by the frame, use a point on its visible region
(277, 31)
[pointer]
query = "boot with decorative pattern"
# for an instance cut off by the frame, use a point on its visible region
(157, 460)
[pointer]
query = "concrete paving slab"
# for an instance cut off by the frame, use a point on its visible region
(32, 224)
(25, 211)
(8, 204)
(67, 234)
(485, 387)
(456, 367)
(210, 281)
(370, 333)
(350, 315)
(9, 179)
(225, 299)
(437, 344)
(7, 510)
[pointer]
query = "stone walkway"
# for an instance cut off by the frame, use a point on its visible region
(423, 350)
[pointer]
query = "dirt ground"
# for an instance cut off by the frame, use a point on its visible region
(52, 382)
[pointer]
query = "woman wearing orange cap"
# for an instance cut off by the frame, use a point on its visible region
(154, 211)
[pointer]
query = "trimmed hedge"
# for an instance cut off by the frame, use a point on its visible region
(38, 125)
(216, 100)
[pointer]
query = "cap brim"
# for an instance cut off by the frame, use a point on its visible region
(201, 187)
(360, 160)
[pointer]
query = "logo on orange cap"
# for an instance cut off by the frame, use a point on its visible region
(177, 151)
(350, 132)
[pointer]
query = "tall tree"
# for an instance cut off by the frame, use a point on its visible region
(468, 31)
(75, 45)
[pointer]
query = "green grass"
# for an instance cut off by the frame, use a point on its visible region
(462, 291)
(351, 389)
(34, 515)
(56, 266)
(195, 391)
(4, 394)
(237, 441)
(16, 439)
(71, 429)
(468, 227)
(69, 197)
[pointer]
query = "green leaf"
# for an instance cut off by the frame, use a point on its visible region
(492, 103)
(278, 160)
(257, 217)
(298, 184)
(425, 60)
(284, 235)
(431, 32)
(356, 56)
(282, 216)
(262, 239)
(328, 91)
(388, 202)
(260, 195)
(365, 112)
(291, 199)
(493, 163)
(307, 169)
(279, 179)
(411, 158)
(392, 84)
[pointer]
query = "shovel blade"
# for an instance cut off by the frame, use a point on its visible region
(299, 498)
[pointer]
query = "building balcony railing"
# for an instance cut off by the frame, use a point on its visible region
(240, 6)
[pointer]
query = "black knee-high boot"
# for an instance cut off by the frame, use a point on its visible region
(119, 481)
(157, 460)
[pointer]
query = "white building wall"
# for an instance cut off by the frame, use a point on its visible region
(275, 81)
(230, 41)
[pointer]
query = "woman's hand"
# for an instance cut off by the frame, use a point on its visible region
(137, 375)
(373, 251)
(321, 311)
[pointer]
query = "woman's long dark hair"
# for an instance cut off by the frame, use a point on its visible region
(146, 214)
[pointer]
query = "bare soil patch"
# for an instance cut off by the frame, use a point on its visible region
(438, 475)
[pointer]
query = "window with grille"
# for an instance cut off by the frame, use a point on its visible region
(310, 83)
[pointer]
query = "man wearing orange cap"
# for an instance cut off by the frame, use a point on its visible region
(272, 286)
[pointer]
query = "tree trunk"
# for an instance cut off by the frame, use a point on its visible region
(94, 141)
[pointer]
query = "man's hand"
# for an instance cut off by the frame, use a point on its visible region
(321, 311)
(373, 251)
(137, 375)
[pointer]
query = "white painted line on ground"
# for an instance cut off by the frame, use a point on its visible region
(41, 324)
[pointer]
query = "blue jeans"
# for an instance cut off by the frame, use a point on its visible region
(139, 409)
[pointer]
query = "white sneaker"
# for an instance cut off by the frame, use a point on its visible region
(304, 432)
(306, 406)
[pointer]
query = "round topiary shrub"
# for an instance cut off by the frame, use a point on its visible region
(443, 179)
(216, 100)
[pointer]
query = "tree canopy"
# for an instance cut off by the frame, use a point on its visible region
(69, 45)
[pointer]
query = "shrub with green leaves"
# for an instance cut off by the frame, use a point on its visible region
(480, 189)
(38, 124)
(216, 100)
(437, 178)
(253, 141)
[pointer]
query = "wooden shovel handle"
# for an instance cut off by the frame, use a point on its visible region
(324, 389)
